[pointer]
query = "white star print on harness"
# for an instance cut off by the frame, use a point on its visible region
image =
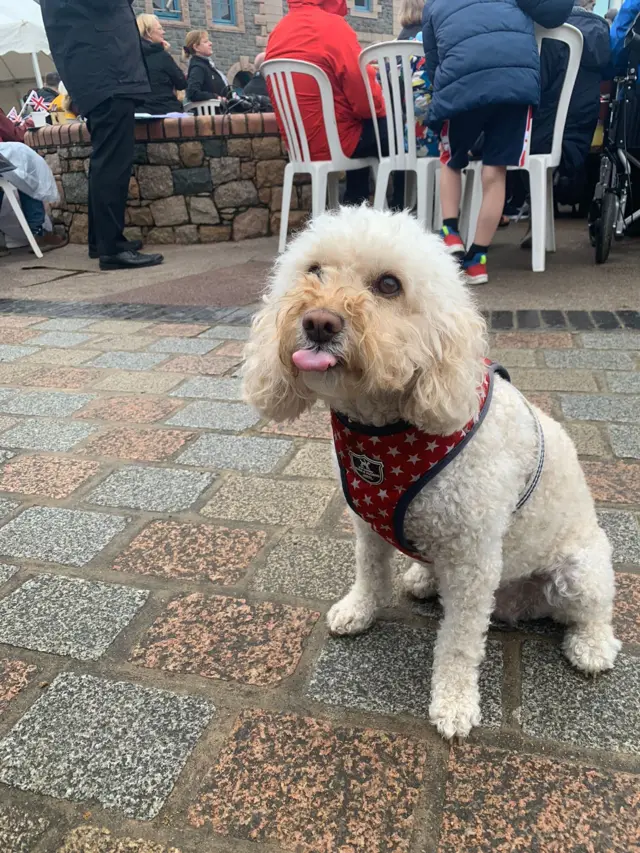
(384, 468)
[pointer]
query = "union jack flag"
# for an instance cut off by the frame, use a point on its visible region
(12, 115)
(39, 104)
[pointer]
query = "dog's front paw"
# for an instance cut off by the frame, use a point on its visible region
(454, 717)
(352, 615)
(419, 582)
(591, 649)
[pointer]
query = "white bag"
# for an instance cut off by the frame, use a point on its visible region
(31, 175)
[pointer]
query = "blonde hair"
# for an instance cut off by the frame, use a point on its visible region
(145, 22)
(411, 12)
(192, 40)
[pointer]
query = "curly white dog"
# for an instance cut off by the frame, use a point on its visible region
(367, 312)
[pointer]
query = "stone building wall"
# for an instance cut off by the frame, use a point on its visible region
(195, 180)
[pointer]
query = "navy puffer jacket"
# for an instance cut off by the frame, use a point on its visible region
(482, 52)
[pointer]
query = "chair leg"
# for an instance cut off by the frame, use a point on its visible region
(431, 196)
(437, 209)
(382, 183)
(287, 189)
(539, 211)
(410, 190)
(551, 225)
(467, 222)
(333, 191)
(318, 193)
(424, 197)
(13, 200)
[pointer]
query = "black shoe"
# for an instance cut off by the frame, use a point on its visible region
(129, 260)
(127, 246)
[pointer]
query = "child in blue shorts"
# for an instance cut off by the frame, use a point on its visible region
(483, 60)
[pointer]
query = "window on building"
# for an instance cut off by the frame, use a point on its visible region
(224, 12)
(362, 5)
(167, 8)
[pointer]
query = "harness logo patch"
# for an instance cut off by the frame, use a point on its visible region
(369, 470)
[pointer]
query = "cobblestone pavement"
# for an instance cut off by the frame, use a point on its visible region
(167, 682)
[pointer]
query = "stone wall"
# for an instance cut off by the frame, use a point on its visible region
(195, 180)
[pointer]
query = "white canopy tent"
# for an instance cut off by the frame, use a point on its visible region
(24, 50)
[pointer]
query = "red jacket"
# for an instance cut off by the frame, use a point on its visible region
(315, 31)
(9, 132)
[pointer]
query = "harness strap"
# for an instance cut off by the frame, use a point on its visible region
(534, 479)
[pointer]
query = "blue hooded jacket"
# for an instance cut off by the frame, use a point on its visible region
(622, 23)
(482, 52)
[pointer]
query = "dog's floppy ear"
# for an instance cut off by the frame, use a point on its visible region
(444, 394)
(268, 373)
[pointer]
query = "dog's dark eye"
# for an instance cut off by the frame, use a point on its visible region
(387, 285)
(315, 269)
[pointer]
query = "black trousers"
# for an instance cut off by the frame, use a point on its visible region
(112, 128)
(357, 180)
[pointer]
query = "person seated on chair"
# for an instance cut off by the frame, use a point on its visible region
(315, 31)
(257, 85)
(204, 81)
(165, 77)
(489, 89)
(33, 209)
(410, 18)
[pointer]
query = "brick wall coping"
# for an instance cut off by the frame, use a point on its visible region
(158, 130)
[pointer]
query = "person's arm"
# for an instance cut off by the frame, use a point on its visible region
(350, 76)
(175, 73)
(10, 132)
(430, 46)
(195, 83)
(547, 13)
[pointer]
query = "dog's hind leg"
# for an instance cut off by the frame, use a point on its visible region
(419, 581)
(357, 610)
(582, 591)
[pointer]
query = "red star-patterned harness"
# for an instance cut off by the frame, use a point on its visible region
(384, 468)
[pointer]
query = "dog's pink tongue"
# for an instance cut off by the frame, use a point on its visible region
(306, 359)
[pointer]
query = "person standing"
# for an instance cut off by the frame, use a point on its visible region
(96, 48)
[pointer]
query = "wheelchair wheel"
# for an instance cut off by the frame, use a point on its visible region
(605, 226)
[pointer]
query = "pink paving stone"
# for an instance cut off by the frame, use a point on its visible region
(532, 340)
(16, 336)
(139, 410)
(177, 330)
(15, 675)
(626, 613)
(234, 348)
(613, 482)
(143, 445)
(207, 365)
(46, 476)
(316, 423)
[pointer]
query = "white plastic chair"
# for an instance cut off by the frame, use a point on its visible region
(204, 108)
(324, 173)
(11, 194)
(393, 59)
(539, 166)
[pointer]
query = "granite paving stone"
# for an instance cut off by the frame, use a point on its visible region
(70, 378)
(231, 348)
(205, 365)
(510, 358)
(553, 380)
(59, 535)
(53, 404)
(128, 360)
(316, 423)
(67, 616)
(6, 506)
(20, 831)
(113, 742)
(151, 489)
(625, 440)
(532, 340)
(613, 482)
(138, 410)
(177, 330)
(6, 572)
(206, 386)
(588, 439)
(314, 459)
(46, 476)
(12, 352)
(626, 612)
(138, 382)
(600, 408)
(60, 339)
(227, 638)
(64, 324)
(561, 703)
(308, 785)
(623, 530)
(61, 357)
(16, 336)
(212, 450)
(47, 434)
(14, 372)
(388, 669)
(17, 321)
(123, 343)
(178, 550)
(6, 423)
(142, 445)
(15, 675)
(94, 839)
(501, 802)
(119, 327)
(611, 340)
(624, 383)
(308, 566)
(183, 346)
(207, 415)
(266, 502)
(227, 333)
(590, 360)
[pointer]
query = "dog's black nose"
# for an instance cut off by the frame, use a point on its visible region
(321, 326)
